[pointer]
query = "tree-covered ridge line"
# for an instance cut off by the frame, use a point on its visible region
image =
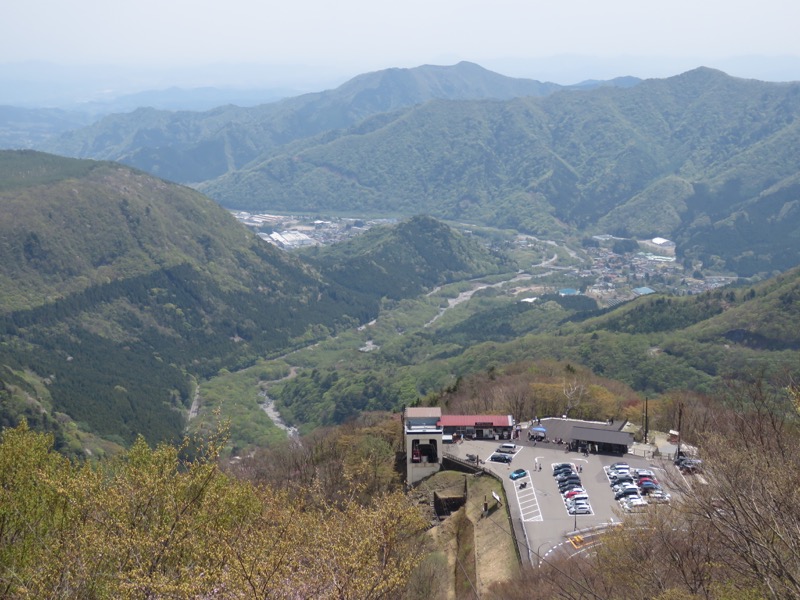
(654, 344)
(407, 260)
(703, 159)
(190, 147)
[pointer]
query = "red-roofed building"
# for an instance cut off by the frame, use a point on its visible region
(479, 427)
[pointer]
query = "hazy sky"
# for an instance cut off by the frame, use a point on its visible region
(362, 35)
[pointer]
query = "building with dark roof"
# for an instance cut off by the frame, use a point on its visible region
(600, 439)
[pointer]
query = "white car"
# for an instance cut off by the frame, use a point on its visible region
(658, 497)
(578, 498)
(507, 448)
(624, 486)
(633, 503)
(580, 510)
(619, 473)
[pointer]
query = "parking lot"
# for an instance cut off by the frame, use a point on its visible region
(538, 510)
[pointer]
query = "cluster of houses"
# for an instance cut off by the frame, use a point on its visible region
(290, 232)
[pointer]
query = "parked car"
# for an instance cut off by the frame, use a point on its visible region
(564, 476)
(648, 487)
(691, 465)
(626, 493)
(507, 448)
(643, 473)
(584, 497)
(519, 473)
(642, 480)
(621, 479)
(562, 470)
(633, 503)
(568, 486)
(561, 466)
(574, 492)
(580, 510)
(658, 497)
(623, 485)
(620, 465)
(502, 458)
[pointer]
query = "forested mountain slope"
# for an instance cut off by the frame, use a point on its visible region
(198, 146)
(117, 289)
(702, 158)
(406, 260)
(655, 344)
(117, 286)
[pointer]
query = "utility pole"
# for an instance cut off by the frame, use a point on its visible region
(646, 420)
(680, 417)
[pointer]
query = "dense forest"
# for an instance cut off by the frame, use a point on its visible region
(654, 344)
(121, 291)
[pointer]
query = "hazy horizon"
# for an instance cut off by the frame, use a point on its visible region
(39, 83)
(81, 50)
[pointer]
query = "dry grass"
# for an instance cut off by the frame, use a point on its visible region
(495, 555)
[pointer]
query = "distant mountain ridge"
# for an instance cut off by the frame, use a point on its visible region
(701, 158)
(195, 147)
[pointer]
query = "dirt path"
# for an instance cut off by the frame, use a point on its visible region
(269, 406)
(464, 296)
(195, 409)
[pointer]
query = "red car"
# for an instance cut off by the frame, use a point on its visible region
(574, 492)
(650, 479)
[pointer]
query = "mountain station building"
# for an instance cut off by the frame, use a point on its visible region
(423, 436)
(426, 429)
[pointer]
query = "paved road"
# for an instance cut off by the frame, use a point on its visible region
(537, 510)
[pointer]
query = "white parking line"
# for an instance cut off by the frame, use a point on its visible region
(526, 500)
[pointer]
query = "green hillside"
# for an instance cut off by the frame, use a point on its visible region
(701, 158)
(192, 147)
(407, 260)
(654, 344)
(117, 288)
(120, 290)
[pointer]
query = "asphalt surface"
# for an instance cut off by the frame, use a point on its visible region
(540, 518)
